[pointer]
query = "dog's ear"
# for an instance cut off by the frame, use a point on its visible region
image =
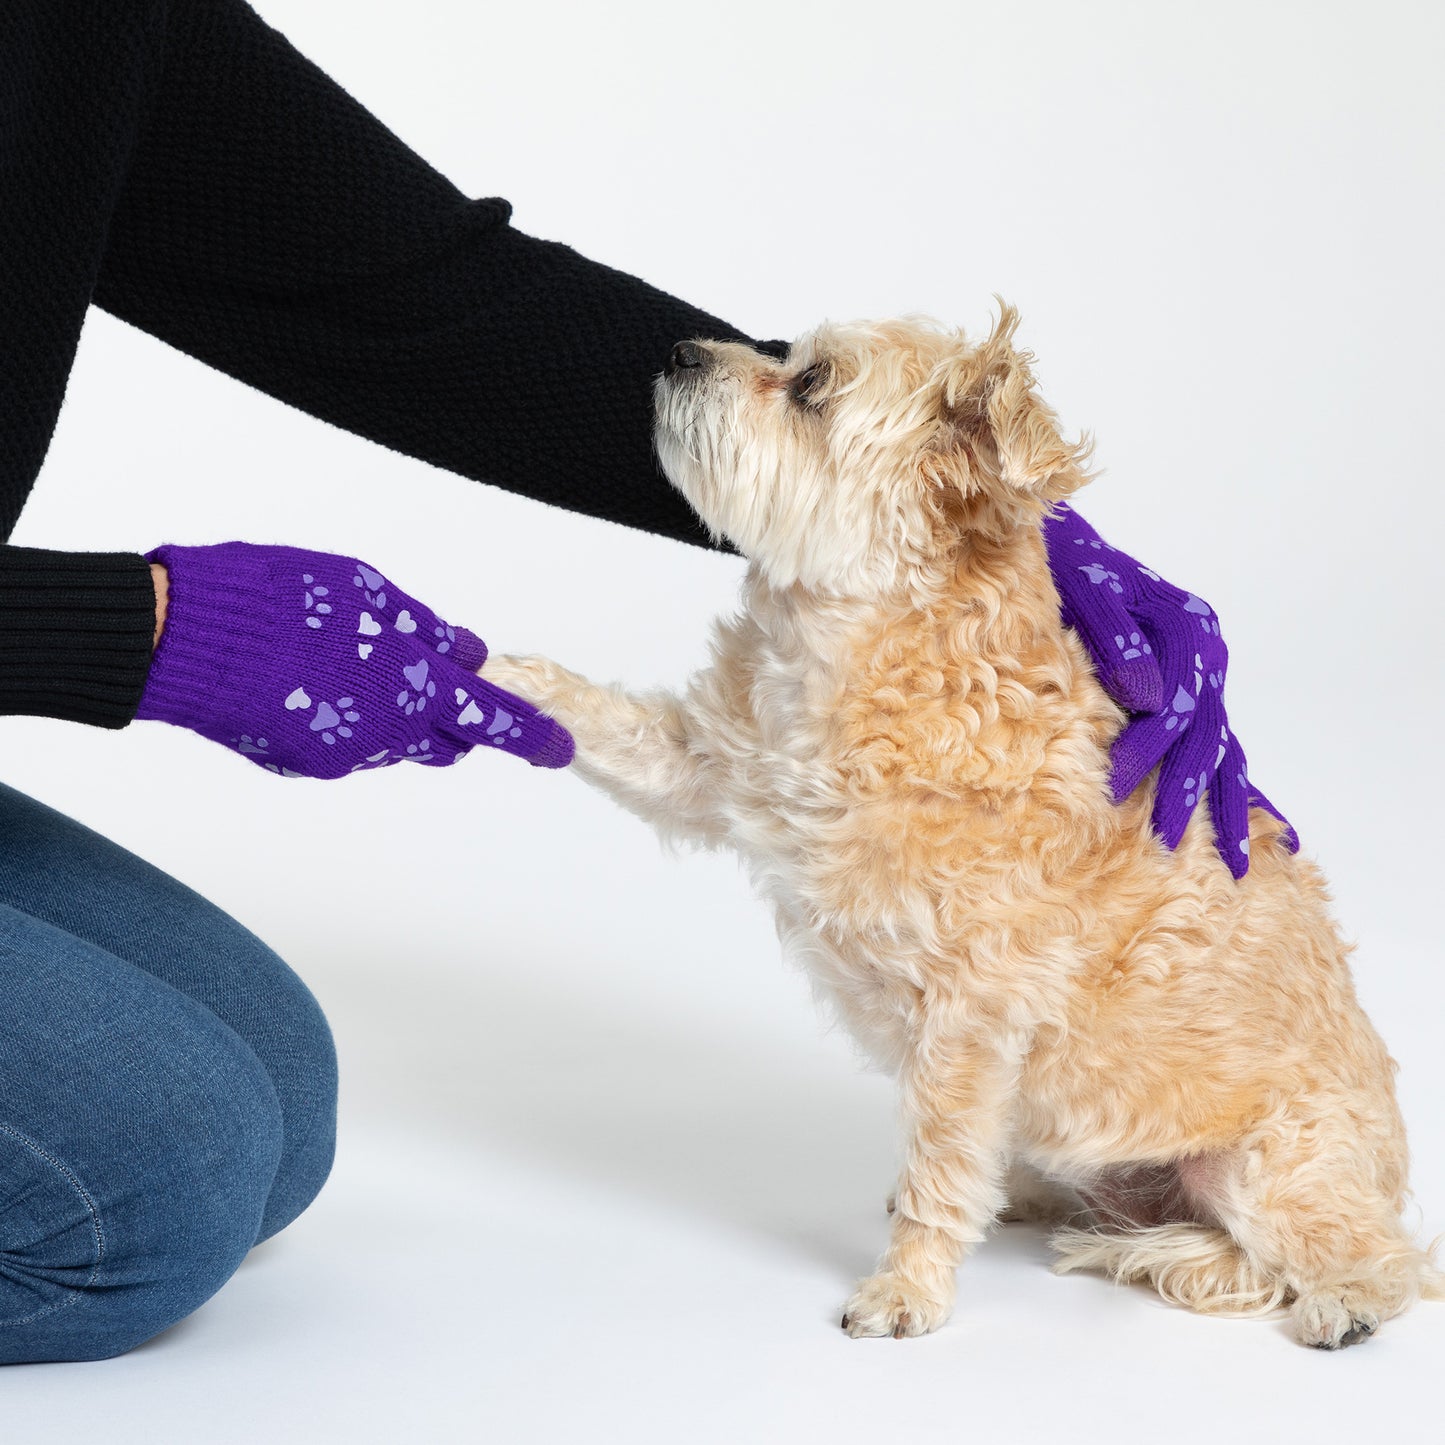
(992, 418)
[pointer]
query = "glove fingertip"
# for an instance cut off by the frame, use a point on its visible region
(1124, 775)
(468, 650)
(1137, 685)
(1133, 758)
(1167, 828)
(1171, 828)
(1289, 837)
(557, 750)
(1123, 779)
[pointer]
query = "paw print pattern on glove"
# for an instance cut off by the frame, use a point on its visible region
(1099, 575)
(371, 584)
(255, 749)
(1185, 702)
(366, 626)
(1132, 646)
(1208, 622)
(413, 698)
(330, 721)
(1179, 711)
(316, 607)
(1159, 652)
(501, 727)
(336, 670)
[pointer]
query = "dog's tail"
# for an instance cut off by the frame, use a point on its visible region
(1189, 1264)
(1432, 1280)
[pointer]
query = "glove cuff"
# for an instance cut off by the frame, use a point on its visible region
(213, 644)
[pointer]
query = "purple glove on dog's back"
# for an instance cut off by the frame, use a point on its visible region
(1158, 653)
(315, 666)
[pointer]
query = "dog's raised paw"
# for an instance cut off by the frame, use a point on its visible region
(887, 1305)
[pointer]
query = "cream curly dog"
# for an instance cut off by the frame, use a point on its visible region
(911, 754)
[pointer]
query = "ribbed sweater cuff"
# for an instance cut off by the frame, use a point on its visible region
(75, 634)
(211, 646)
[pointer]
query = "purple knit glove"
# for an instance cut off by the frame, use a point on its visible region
(315, 666)
(1159, 653)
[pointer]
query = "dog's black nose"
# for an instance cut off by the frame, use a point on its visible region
(685, 356)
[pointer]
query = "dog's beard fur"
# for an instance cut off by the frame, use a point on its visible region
(845, 468)
(911, 754)
(754, 456)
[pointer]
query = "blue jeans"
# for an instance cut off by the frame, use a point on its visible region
(167, 1093)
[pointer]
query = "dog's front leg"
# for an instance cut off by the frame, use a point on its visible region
(957, 1094)
(636, 749)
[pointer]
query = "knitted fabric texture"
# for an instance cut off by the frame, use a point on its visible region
(313, 665)
(75, 633)
(184, 167)
(1161, 647)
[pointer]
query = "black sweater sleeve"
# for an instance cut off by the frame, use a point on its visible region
(204, 181)
(275, 229)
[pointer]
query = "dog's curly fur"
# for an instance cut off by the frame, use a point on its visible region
(911, 753)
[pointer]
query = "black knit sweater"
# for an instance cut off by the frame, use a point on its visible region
(181, 165)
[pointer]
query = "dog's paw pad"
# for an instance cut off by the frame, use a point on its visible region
(1360, 1330)
(1331, 1322)
(889, 1306)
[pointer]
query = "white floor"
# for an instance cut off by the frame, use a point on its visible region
(600, 1183)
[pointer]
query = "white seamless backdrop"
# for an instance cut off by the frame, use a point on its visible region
(602, 1168)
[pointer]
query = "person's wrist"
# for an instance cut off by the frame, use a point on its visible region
(160, 580)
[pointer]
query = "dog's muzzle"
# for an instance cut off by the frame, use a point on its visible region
(694, 356)
(687, 356)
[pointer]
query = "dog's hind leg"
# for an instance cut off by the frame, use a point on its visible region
(956, 1095)
(1319, 1207)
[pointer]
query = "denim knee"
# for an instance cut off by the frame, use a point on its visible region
(300, 1056)
(69, 891)
(112, 1237)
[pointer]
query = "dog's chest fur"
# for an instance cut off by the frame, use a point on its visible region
(910, 784)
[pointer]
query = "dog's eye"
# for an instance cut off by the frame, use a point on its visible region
(807, 386)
